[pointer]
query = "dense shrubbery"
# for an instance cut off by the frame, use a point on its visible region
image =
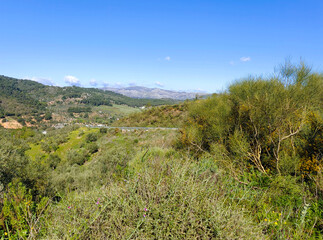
(263, 122)
(246, 165)
(160, 198)
(272, 125)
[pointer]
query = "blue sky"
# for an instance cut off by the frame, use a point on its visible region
(178, 45)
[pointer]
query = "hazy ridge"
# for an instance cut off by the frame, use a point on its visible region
(154, 93)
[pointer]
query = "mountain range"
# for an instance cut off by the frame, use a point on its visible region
(154, 93)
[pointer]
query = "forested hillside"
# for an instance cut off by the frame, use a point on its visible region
(245, 164)
(15, 99)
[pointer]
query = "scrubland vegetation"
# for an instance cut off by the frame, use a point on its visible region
(245, 164)
(163, 116)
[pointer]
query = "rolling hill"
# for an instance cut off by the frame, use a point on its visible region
(32, 102)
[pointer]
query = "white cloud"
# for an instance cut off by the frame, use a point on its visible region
(245, 59)
(159, 84)
(74, 81)
(93, 82)
(231, 62)
(167, 58)
(44, 81)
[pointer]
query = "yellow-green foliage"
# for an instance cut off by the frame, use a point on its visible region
(164, 116)
(310, 144)
(20, 214)
(263, 121)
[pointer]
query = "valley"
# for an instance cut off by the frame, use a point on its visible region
(232, 166)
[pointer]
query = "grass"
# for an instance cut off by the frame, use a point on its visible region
(161, 197)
